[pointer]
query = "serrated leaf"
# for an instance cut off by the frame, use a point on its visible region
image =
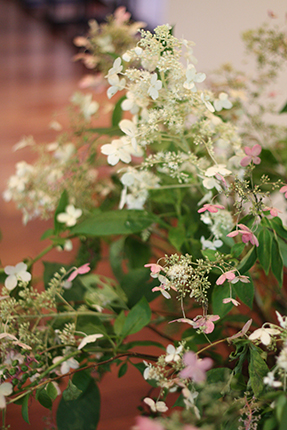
(137, 318)
(276, 261)
(82, 413)
(71, 392)
(257, 370)
(52, 391)
(25, 410)
(136, 284)
(44, 399)
(245, 292)
(115, 222)
(119, 323)
(219, 293)
(264, 249)
(177, 236)
(123, 369)
(247, 261)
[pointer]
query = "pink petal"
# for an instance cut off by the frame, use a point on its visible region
(154, 268)
(248, 151)
(256, 160)
(233, 233)
(245, 161)
(209, 327)
(255, 150)
(230, 275)
(221, 279)
(84, 269)
(283, 189)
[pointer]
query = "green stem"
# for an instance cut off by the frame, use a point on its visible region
(209, 346)
(39, 256)
(66, 314)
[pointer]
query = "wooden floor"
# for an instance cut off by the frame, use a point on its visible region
(37, 77)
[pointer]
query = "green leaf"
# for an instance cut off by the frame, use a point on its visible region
(25, 410)
(257, 370)
(177, 236)
(119, 323)
(82, 380)
(270, 424)
(123, 369)
(137, 284)
(115, 222)
(283, 110)
(63, 203)
(44, 399)
(52, 391)
(108, 131)
(264, 249)
(82, 413)
(283, 420)
(248, 261)
(219, 293)
(137, 318)
(245, 292)
(276, 261)
(131, 345)
(71, 392)
(218, 375)
(237, 249)
(48, 233)
(277, 225)
(118, 112)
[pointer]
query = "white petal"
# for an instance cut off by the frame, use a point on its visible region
(128, 127)
(11, 282)
(25, 276)
(6, 389)
(10, 270)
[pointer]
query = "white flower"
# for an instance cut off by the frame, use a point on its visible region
(15, 273)
(282, 359)
(210, 183)
(23, 143)
(118, 150)
(282, 320)
(55, 125)
(5, 390)
(70, 216)
(222, 102)
(117, 84)
(264, 334)
(130, 103)
(270, 380)
(117, 67)
(87, 106)
(89, 339)
(208, 244)
(217, 169)
(155, 86)
(205, 98)
(130, 129)
(71, 363)
(155, 406)
(173, 353)
(192, 77)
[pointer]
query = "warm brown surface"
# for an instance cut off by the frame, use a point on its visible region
(37, 78)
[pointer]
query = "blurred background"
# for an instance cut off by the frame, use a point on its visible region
(37, 78)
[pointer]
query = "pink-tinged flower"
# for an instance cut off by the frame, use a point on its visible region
(121, 15)
(195, 368)
(264, 334)
(241, 278)
(273, 211)
(80, 271)
(205, 322)
(251, 155)
(154, 268)
(230, 299)
(144, 423)
(284, 190)
(242, 332)
(225, 276)
(247, 235)
(161, 288)
(210, 208)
